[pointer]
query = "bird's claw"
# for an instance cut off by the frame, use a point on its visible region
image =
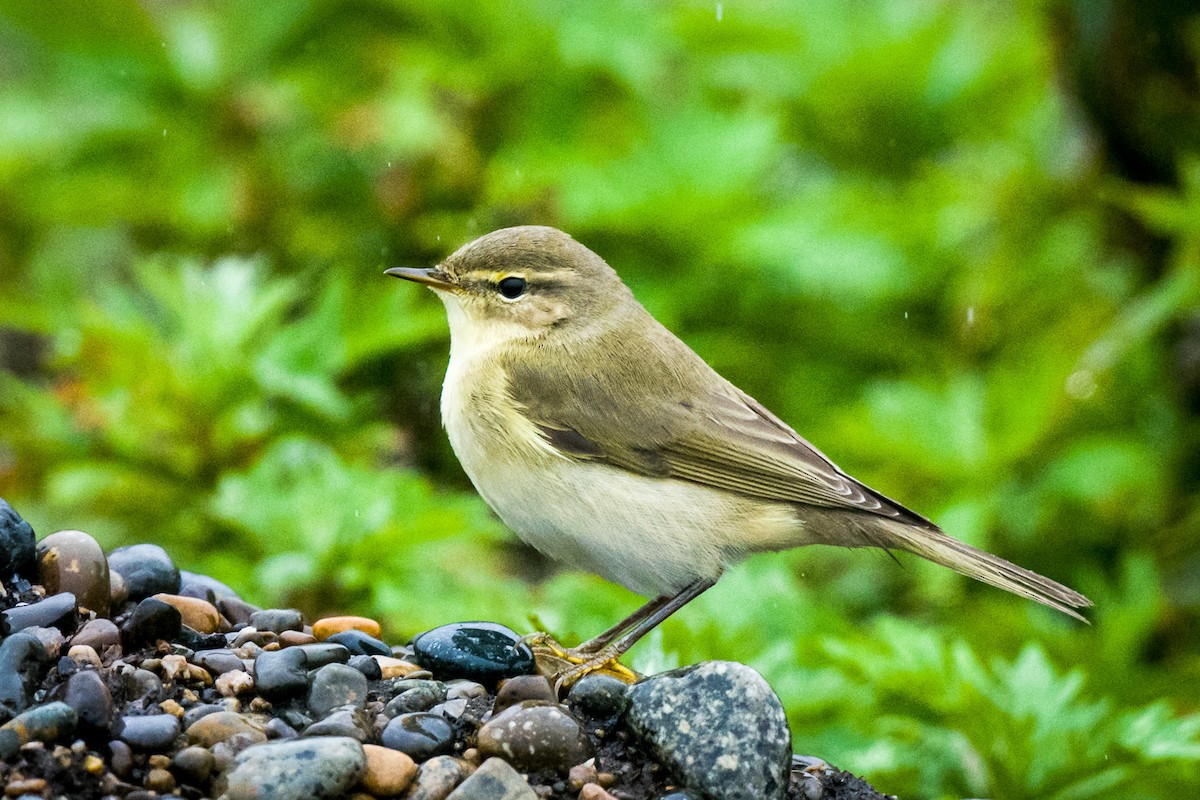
(564, 666)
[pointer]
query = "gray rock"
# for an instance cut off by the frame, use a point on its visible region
(419, 734)
(335, 685)
(153, 733)
(302, 769)
(89, 696)
(494, 780)
(146, 568)
(23, 663)
(99, 634)
(535, 737)
(283, 673)
(420, 696)
(58, 611)
(597, 695)
(718, 727)
(218, 661)
(17, 543)
(345, 721)
(277, 620)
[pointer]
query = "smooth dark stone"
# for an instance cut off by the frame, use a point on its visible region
(421, 697)
(18, 547)
(679, 794)
(479, 651)
(151, 733)
(600, 696)
(335, 685)
(72, 561)
(51, 638)
(150, 621)
(368, 666)
(193, 765)
(195, 640)
(89, 696)
(360, 644)
(298, 720)
(42, 724)
(277, 620)
(193, 584)
(451, 709)
(56, 611)
(420, 735)
(99, 634)
(278, 729)
(677, 712)
(218, 661)
(284, 673)
(146, 568)
(198, 712)
(523, 687)
(235, 609)
(23, 663)
(494, 780)
(534, 737)
(320, 768)
(120, 757)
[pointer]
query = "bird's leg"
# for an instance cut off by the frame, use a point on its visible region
(615, 642)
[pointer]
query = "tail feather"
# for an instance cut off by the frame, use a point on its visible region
(961, 557)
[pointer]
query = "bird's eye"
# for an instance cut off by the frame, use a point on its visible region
(512, 287)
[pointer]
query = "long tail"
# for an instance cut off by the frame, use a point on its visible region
(961, 557)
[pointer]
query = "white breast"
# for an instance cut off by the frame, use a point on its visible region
(651, 535)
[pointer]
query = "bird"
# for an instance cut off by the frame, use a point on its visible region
(605, 442)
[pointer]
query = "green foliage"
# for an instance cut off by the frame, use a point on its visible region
(888, 221)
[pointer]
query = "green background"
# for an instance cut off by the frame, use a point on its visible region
(956, 245)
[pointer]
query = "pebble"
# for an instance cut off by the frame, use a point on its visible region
(118, 589)
(302, 769)
(18, 551)
(159, 780)
(141, 684)
(284, 673)
(236, 610)
(335, 685)
(421, 735)
(221, 725)
(535, 737)
(277, 620)
(480, 651)
(72, 561)
(451, 709)
(360, 644)
(89, 696)
(494, 780)
(23, 663)
(345, 721)
(523, 687)
(675, 794)
(146, 568)
(199, 615)
(395, 667)
(598, 695)
(153, 732)
(293, 638)
(594, 791)
(233, 683)
(368, 666)
(42, 724)
(718, 727)
(151, 621)
(193, 764)
(324, 628)
(389, 772)
(436, 778)
(218, 661)
(421, 696)
(58, 611)
(84, 654)
(51, 638)
(99, 634)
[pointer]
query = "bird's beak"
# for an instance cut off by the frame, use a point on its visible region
(432, 277)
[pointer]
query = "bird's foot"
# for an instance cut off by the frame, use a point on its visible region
(564, 666)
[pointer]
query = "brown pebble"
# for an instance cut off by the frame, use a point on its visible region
(523, 687)
(594, 791)
(16, 788)
(234, 682)
(294, 638)
(196, 613)
(324, 628)
(389, 772)
(171, 707)
(93, 764)
(84, 654)
(72, 561)
(160, 780)
(394, 667)
(581, 774)
(472, 757)
(213, 728)
(98, 634)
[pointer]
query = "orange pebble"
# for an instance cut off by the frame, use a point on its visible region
(324, 628)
